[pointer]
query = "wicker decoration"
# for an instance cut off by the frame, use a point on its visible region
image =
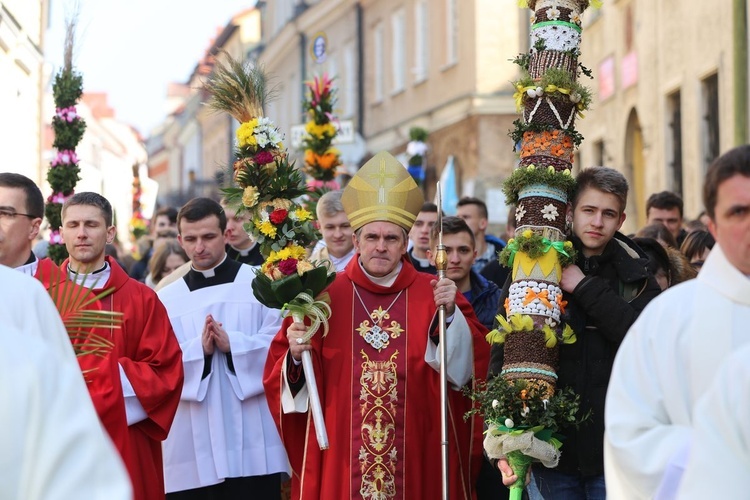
(544, 161)
(541, 60)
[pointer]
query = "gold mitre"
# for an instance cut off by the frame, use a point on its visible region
(382, 190)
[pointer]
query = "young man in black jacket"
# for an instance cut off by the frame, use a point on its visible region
(606, 290)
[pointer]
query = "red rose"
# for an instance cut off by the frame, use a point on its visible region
(288, 266)
(263, 157)
(278, 216)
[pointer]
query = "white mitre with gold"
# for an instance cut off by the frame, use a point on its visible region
(382, 190)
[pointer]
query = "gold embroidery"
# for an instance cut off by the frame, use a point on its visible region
(377, 336)
(378, 456)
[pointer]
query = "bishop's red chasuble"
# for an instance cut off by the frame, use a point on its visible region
(381, 401)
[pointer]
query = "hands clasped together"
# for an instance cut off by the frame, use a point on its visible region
(214, 337)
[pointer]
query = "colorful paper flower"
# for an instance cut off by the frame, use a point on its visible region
(278, 216)
(250, 196)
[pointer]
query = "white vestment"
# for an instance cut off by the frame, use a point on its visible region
(664, 365)
(719, 464)
(223, 427)
(25, 303)
(53, 445)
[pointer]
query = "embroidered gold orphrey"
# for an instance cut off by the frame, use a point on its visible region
(376, 335)
(378, 400)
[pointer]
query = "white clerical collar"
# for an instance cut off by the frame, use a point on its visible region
(209, 273)
(244, 252)
(387, 280)
(422, 262)
(339, 263)
(29, 268)
(94, 280)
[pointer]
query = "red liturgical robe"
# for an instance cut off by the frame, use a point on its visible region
(148, 352)
(381, 400)
(100, 373)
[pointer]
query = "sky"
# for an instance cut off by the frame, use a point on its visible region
(133, 49)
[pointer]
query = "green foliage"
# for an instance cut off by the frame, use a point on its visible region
(523, 61)
(522, 177)
(57, 252)
(67, 88)
(286, 182)
(62, 179)
(418, 134)
(52, 211)
(561, 79)
(67, 134)
(561, 410)
(535, 246)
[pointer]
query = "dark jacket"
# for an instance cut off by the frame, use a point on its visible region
(492, 242)
(484, 299)
(601, 309)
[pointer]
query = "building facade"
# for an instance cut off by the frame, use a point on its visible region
(668, 87)
(22, 25)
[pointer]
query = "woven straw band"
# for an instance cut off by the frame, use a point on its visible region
(544, 59)
(543, 161)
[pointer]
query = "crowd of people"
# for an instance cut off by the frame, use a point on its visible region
(202, 394)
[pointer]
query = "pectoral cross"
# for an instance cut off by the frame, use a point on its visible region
(382, 175)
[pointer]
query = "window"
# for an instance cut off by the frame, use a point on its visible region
(710, 121)
(600, 153)
(349, 84)
(378, 62)
(451, 32)
(421, 41)
(674, 140)
(398, 61)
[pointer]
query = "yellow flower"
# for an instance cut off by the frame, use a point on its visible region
(250, 196)
(245, 135)
(568, 245)
(318, 131)
(280, 145)
(303, 266)
(267, 229)
(302, 214)
(527, 233)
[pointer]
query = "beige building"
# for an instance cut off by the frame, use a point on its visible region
(438, 64)
(22, 80)
(669, 94)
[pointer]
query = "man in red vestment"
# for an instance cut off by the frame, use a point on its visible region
(149, 357)
(21, 213)
(377, 370)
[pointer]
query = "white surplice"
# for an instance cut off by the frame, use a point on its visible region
(223, 427)
(53, 445)
(664, 365)
(719, 465)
